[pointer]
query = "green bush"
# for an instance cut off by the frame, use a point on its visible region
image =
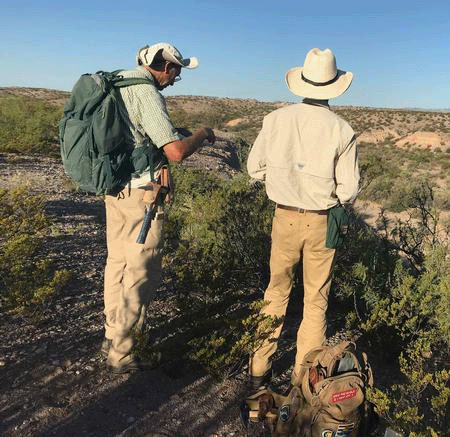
(216, 262)
(28, 125)
(413, 311)
(227, 221)
(391, 285)
(443, 198)
(391, 175)
(214, 119)
(26, 279)
(408, 194)
(379, 174)
(396, 292)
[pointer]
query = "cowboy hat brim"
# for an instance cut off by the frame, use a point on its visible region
(299, 87)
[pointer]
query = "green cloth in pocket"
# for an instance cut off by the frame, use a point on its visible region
(337, 223)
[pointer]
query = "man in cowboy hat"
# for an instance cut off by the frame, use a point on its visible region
(133, 270)
(307, 157)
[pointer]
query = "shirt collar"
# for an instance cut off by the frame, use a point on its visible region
(147, 73)
(322, 103)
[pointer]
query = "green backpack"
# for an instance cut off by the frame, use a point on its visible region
(92, 134)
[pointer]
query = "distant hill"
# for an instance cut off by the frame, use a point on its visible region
(409, 127)
(52, 96)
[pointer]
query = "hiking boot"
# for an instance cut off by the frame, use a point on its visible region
(256, 383)
(104, 349)
(137, 365)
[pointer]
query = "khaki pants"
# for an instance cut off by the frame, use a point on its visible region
(297, 237)
(132, 272)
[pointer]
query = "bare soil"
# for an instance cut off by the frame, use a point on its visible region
(53, 381)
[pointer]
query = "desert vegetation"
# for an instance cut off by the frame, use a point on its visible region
(392, 279)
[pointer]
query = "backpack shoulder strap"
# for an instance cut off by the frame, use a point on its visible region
(120, 81)
(367, 370)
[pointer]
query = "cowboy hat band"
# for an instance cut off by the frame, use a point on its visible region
(335, 78)
(319, 78)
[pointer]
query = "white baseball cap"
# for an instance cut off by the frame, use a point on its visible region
(169, 53)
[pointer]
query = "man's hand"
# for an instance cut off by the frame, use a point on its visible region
(207, 132)
(181, 149)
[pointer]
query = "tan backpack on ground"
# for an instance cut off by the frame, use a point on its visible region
(329, 400)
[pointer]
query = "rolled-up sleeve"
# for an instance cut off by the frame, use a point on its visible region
(257, 160)
(347, 173)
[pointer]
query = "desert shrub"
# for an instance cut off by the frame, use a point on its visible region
(26, 279)
(28, 125)
(444, 163)
(406, 194)
(399, 291)
(216, 263)
(443, 201)
(227, 221)
(247, 131)
(421, 156)
(412, 310)
(379, 174)
(243, 150)
(214, 118)
(391, 285)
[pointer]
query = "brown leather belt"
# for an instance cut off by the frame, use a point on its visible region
(301, 210)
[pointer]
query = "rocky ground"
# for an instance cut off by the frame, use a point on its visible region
(53, 381)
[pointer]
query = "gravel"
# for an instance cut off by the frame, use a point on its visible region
(53, 381)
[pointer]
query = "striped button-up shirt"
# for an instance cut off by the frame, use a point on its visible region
(147, 116)
(307, 156)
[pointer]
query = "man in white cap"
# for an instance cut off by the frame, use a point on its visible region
(306, 156)
(133, 270)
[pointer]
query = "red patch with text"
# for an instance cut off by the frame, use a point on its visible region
(343, 395)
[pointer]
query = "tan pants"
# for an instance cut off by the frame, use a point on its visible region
(132, 272)
(297, 237)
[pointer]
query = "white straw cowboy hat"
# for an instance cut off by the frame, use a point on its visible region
(168, 52)
(319, 78)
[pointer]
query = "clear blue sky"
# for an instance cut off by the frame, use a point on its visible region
(399, 51)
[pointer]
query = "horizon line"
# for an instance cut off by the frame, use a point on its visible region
(406, 108)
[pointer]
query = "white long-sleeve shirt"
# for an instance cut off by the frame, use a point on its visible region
(307, 156)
